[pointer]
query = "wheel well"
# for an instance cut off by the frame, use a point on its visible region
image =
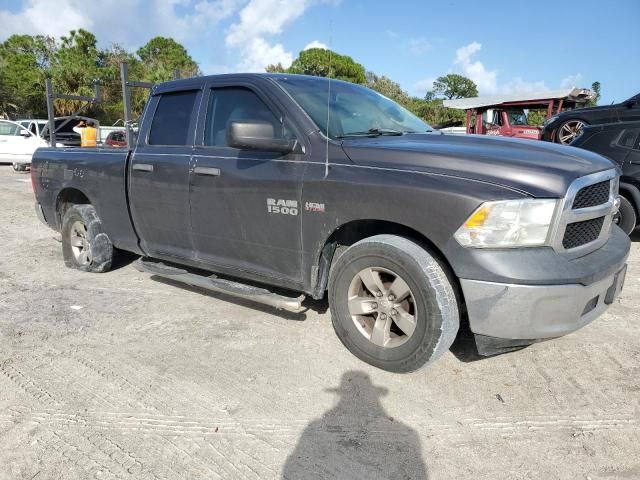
(352, 232)
(630, 192)
(66, 198)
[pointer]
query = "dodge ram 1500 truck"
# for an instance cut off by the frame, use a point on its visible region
(293, 183)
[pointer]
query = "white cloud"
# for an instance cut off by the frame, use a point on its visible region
(258, 19)
(571, 81)
(45, 17)
(128, 22)
(486, 80)
(316, 44)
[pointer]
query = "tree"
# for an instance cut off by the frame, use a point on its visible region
(23, 60)
(595, 88)
(536, 117)
(451, 86)
(75, 69)
(324, 63)
(388, 88)
(161, 57)
(112, 108)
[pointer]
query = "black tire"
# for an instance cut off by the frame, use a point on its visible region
(20, 167)
(626, 216)
(435, 309)
(561, 133)
(92, 241)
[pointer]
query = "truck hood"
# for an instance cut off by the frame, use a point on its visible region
(539, 169)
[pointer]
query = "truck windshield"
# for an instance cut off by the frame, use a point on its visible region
(517, 117)
(354, 109)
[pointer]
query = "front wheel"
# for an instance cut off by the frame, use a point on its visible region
(625, 218)
(392, 304)
(84, 245)
(569, 131)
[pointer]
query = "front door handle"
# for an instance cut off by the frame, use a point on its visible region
(211, 171)
(143, 167)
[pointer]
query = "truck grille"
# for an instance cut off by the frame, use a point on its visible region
(585, 215)
(581, 233)
(592, 195)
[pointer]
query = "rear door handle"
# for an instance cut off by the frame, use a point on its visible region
(211, 171)
(143, 167)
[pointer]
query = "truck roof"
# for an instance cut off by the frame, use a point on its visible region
(196, 82)
(575, 95)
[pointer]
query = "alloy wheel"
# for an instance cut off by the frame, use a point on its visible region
(382, 307)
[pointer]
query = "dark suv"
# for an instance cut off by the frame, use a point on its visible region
(566, 127)
(620, 142)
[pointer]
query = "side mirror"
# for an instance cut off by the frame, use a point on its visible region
(25, 133)
(257, 135)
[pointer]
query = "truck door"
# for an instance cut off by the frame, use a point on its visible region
(159, 175)
(245, 204)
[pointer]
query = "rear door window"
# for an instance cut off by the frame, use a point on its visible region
(170, 125)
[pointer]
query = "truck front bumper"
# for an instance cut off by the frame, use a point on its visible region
(516, 311)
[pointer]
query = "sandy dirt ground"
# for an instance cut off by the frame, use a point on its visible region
(122, 375)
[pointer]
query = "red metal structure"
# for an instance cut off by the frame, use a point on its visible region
(506, 116)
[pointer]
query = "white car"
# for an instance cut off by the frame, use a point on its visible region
(34, 125)
(17, 144)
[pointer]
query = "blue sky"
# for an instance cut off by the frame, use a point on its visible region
(505, 46)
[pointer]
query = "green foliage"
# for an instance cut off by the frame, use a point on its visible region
(451, 86)
(595, 88)
(388, 88)
(23, 60)
(435, 113)
(324, 63)
(161, 57)
(74, 63)
(75, 69)
(536, 117)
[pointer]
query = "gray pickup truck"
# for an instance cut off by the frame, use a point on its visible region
(285, 183)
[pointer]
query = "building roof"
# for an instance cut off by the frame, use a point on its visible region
(577, 95)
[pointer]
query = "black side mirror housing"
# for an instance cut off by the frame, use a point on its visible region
(258, 135)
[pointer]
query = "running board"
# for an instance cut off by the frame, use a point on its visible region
(214, 284)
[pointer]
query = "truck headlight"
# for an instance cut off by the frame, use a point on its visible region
(508, 223)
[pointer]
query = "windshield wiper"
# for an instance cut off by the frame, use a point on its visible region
(373, 132)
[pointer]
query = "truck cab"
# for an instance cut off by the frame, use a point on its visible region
(507, 122)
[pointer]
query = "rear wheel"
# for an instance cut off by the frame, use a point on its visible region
(19, 167)
(392, 304)
(569, 131)
(84, 245)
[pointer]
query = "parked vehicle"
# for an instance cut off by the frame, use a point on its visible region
(64, 133)
(315, 185)
(506, 115)
(17, 144)
(116, 138)
(620, 142)
(35, 125)
(566, 127)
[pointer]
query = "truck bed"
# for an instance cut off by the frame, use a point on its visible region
(100, 173)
